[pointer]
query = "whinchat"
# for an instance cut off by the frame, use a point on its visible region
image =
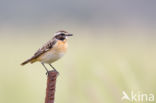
(52, 50)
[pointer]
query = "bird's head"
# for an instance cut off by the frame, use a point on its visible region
(62, 35)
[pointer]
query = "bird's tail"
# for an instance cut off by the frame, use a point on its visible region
(31, 60)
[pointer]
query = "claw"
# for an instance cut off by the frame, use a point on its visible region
(47, 73)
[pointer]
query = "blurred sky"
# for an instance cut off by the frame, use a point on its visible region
(93, 15)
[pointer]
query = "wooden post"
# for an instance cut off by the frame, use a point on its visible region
(51, 83)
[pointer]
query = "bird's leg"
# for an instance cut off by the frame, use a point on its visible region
(52, 67)
(45, 67)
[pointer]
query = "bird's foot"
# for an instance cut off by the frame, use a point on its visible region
(47, 73)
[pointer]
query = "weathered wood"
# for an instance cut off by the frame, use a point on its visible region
(51, 84)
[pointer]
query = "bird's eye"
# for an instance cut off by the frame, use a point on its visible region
(62, 34)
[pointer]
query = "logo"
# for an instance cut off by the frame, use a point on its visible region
(138, 96)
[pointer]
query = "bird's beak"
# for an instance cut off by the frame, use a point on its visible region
(69, 35)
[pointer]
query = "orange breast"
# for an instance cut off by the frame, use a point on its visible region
(60, 46)
(55, 53)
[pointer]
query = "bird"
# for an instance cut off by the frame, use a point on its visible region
(51, 51)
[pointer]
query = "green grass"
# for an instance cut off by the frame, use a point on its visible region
(92, 71)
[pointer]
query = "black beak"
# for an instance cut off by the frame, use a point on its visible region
(69, 35)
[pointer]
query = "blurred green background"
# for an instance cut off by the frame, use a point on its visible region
(113, 49)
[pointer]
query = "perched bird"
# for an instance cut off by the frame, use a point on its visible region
(52, 50)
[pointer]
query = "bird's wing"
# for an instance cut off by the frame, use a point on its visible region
(49, 45)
